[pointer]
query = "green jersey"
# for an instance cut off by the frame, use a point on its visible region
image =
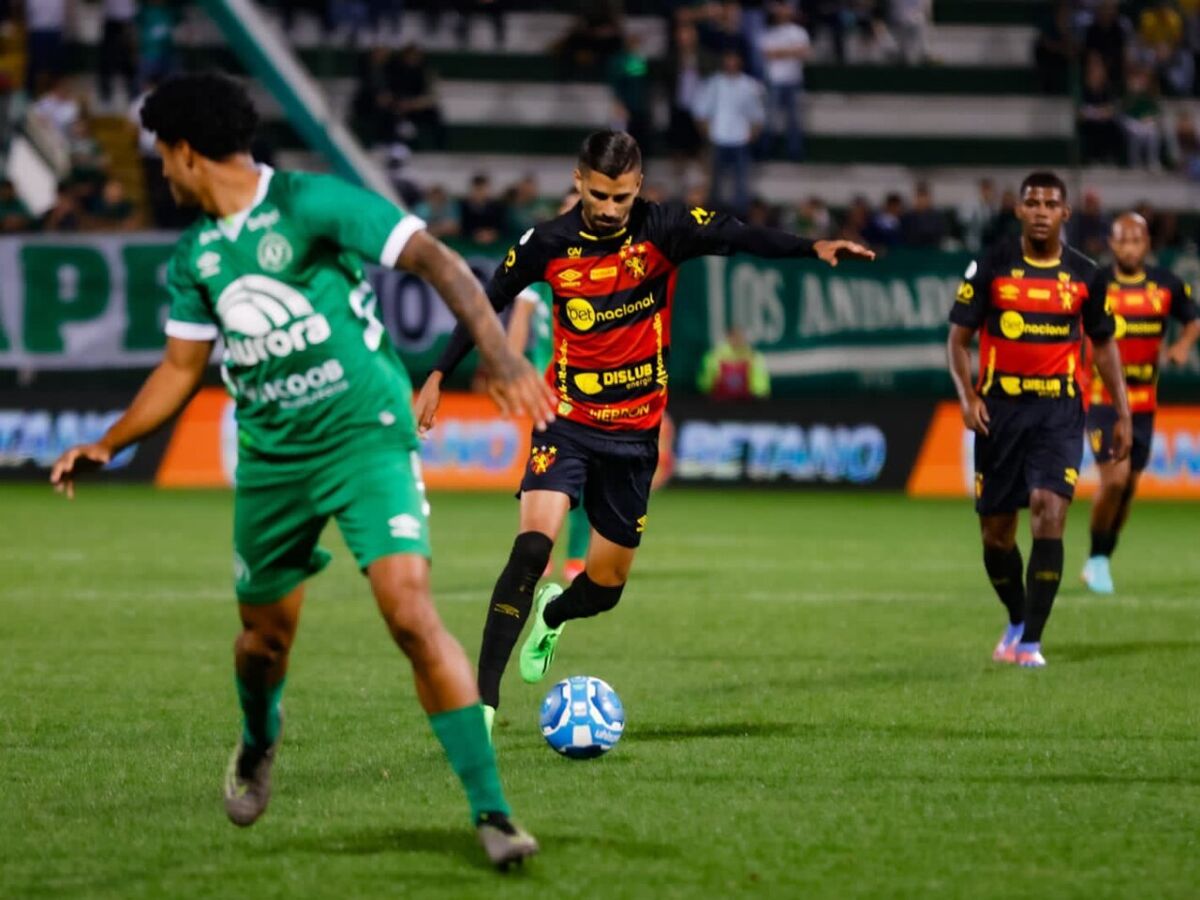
(539, 348)
(282, 283)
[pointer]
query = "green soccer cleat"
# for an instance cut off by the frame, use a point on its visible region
(504, 841)
(248, 784)
(538, 650)
(489, 718)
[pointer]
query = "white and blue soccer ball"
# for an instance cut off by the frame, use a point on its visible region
(582, 717)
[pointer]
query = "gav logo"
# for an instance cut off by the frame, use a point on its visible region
(263, 318)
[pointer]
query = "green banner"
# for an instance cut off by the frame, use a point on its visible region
(94, 302)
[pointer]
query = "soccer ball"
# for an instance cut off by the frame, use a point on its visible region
(582, 717)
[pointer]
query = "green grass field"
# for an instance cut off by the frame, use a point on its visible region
(811, 712)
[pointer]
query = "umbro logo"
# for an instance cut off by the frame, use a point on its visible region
(209, 264)
(405, 526)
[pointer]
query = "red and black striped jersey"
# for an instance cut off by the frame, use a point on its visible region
(1141, 307)
(613, 296)
(1031, 317)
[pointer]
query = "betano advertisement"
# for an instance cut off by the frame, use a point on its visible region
(945, 464)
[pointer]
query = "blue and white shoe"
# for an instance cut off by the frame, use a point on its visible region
(1029, 656)
(1097, 575)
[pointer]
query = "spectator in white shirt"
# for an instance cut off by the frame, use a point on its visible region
(785, 47)
(729, 112)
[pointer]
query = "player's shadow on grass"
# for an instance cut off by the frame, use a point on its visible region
(1083, 652)
(455, 842)
(714, 730)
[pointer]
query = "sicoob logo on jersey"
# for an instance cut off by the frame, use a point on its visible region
(541, 459)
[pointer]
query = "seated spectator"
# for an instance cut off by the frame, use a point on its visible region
(59, 106)
(813, 220)
(1088, 228)
(884, 227)
(14, 214)
(1108, 36)
(1161, 46)
(1142, 120)
(440, 213)
(65, 214)
(924, 225)
(785, 47)
(1005, 224)
(482, 215)
(856, 221)
(414, 87)
(112, 210)
(526, 207)
(976, 216)
(733, 370)
(1187, 145)
(1054, 50)
(1100, 137)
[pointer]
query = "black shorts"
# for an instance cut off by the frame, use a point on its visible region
(612, 474)
(1032, 443)
(1100, 421)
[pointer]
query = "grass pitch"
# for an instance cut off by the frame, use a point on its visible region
(811, 712)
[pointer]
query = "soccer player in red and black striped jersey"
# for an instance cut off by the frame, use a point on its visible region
(611, 262)
(1030, 300)
(1143, 299)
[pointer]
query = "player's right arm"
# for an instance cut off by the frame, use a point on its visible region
(163, 395)
(966, 317)
(521, 267)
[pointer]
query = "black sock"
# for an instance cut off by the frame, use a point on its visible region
(1005, 569)
(582, 599)
(511, 601)
(1041, 585)
(1103, 543)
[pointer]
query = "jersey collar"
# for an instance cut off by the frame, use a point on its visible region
(231, 226)
(1129, 279)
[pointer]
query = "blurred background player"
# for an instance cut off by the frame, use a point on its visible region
(530, 331)
(1143, 299)
(734, 371)
(273, 267)
(1028, 298)
(610, 262)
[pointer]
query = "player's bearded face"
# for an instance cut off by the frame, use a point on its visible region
(178, 173)
(1042, 212)
(1129, 244)
(607, 201)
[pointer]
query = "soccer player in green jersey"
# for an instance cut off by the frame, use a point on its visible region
(274, 267)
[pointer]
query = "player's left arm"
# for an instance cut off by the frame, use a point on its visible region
(1184, 311)
(1100, 326)
(514, 384)
(697, 231)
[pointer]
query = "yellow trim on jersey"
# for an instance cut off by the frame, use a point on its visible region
(991, 372)
(1130, 279)
(603, 237)
(1043, 265)
(1071, 375)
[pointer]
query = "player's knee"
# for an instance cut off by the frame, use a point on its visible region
(264, 645)
(531, 552)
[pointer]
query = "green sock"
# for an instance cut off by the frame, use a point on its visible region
(464, 737)
(579, 533)
(261, 721)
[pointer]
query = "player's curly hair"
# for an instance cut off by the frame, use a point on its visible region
(1044, 180)
(212, 112)
(611, 153)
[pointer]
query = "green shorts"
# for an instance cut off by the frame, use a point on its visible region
(372, 486)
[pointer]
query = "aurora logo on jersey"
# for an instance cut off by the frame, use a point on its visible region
(269, 318)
